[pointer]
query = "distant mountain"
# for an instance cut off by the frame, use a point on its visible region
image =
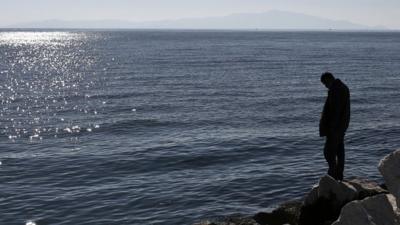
(280, 20)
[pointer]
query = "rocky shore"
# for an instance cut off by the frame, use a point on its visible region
(350, 202)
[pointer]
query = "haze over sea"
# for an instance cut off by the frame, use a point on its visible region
(171, 127)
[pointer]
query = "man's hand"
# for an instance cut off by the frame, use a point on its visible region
(322, 134)
(322, 129)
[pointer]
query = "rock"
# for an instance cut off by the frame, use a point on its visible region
(392, 201)
(366, 188)
(322, 211)
(341, 192)
(287, 213)
(376, 210)
(344, 191)
(312, 196)
(389, 167)
(323, 203)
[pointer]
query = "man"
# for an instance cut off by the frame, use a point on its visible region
(334, 123)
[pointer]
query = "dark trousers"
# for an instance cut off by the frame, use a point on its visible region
(334, 155)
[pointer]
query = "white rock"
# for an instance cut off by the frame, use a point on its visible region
(376, 210)
(390, 170)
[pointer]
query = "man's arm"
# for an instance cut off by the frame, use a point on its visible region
(336, 108)
(323, 121)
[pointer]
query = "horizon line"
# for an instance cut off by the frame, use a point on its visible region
(200, 29)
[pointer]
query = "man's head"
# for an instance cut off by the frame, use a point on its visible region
(327, 79)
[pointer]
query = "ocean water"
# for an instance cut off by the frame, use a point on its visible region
(173, 127)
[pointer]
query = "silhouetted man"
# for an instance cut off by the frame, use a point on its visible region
(334, 123)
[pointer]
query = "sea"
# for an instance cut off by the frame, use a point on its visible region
(175, 127)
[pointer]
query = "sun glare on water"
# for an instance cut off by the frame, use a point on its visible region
(44, 81)
(38, 38)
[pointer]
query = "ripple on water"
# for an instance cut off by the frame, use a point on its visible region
(224, 123)
(47, 77)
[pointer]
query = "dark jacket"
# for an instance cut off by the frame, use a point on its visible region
(335, 117)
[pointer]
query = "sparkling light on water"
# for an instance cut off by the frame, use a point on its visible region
(38, 38)
(226, 122)
(45, 79)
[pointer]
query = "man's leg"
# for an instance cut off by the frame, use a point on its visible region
(340, 157)
(330, 156)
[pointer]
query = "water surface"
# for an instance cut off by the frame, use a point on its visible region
(171, 127)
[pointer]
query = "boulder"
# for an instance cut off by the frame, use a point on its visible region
(287, 213)
(324, 202)
(366, 188)
(312, 196)
(322, 211)
(389, 167)
(392, 201)
(340, 192)
(343, 191)
(376, 210)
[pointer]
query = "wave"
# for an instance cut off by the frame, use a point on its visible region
(135, 125)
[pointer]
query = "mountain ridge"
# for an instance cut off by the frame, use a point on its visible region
(270, 20)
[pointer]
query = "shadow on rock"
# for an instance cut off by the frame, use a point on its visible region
(287, 213)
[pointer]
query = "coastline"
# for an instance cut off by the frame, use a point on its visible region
(356, 202)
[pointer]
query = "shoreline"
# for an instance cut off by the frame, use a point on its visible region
(357, 201)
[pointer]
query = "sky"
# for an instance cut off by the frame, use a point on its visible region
(366, 12)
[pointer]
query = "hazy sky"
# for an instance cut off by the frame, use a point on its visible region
(368, 12)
